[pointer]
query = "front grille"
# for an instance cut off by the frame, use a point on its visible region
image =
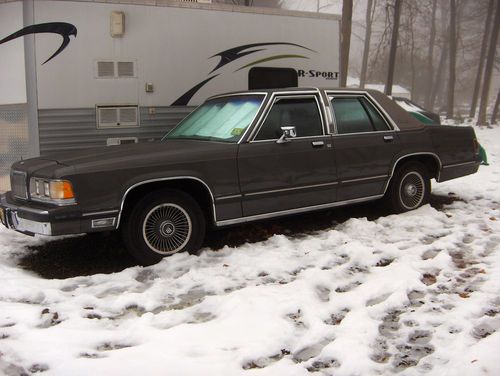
(18, 184)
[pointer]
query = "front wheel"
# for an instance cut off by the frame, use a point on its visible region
(410, 187)
(163, 223)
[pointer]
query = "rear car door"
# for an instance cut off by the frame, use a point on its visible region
(276, 177)
(365, 144)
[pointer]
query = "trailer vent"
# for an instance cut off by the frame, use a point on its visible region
(115, 69)
(117, 116)
(105, 69)
(125, 69)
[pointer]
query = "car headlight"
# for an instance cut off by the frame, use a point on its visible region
(58, 192)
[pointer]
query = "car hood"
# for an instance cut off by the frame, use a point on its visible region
(124, 156)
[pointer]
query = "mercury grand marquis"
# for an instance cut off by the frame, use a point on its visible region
(240, 157)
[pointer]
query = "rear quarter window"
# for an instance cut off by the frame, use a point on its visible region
(357, 115)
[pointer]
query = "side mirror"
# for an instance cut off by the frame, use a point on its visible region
(288, 132)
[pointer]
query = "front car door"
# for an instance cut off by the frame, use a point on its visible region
(276, 177)
(365, 144)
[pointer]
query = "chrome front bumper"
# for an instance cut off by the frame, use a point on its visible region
(11, 220)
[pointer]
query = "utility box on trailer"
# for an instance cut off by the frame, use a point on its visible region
(95, 73)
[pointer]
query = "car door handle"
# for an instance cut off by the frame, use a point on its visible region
(388, 138)
(318, 144)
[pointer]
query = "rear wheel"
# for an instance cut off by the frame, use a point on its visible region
(163, 223)
(410, 187)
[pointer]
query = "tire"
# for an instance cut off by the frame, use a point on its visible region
(163, 223)
(410, 187)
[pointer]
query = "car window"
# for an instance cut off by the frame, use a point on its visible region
(302, 113)
(221, 119)
(377, 120)
(356, 115)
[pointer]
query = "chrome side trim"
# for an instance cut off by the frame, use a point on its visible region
(410, 155)
(164, 179)
(91, 214)
(460, 164)
(289, 189)
(294, 211)
(222, 198)
(362, 179)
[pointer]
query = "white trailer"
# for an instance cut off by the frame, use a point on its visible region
(92, 73)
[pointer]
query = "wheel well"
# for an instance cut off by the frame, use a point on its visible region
(197, 190)
(428, 160)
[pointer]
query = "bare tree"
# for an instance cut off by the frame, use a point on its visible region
(452, 59)
(345, 41)
(438, 79)
(495, 109)
(366, 49)
(394, 45)
(489, 66)
(430, 56)
(482, 55)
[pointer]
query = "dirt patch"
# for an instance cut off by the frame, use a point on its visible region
(438, 202)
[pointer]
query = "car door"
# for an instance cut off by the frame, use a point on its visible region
(365, 144)
(298, 173)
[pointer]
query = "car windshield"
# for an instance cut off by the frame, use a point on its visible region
(220, 119)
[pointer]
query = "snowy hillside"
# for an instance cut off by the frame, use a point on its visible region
(417, 293)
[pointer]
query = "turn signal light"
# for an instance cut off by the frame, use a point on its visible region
(61, 189)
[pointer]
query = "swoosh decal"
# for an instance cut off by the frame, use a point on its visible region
(184, 99)
(271, 58)
(235, 53)
(62, 28)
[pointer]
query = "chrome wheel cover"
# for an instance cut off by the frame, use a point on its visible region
(412, 190)
(167, 229)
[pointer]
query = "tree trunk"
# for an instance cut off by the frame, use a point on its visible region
(430, 56)
(413, 94)
(489, 67)
(394, 45)
(482, 55)
(495, 109)
(366, 49)
(452, 60)
(438, 83)
(345, 41)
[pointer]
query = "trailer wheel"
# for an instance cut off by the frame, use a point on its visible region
(410, 187)
(163, 223)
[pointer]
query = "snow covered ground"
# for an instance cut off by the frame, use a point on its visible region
(413, 294)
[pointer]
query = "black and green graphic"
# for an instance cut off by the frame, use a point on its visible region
(235, 53)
